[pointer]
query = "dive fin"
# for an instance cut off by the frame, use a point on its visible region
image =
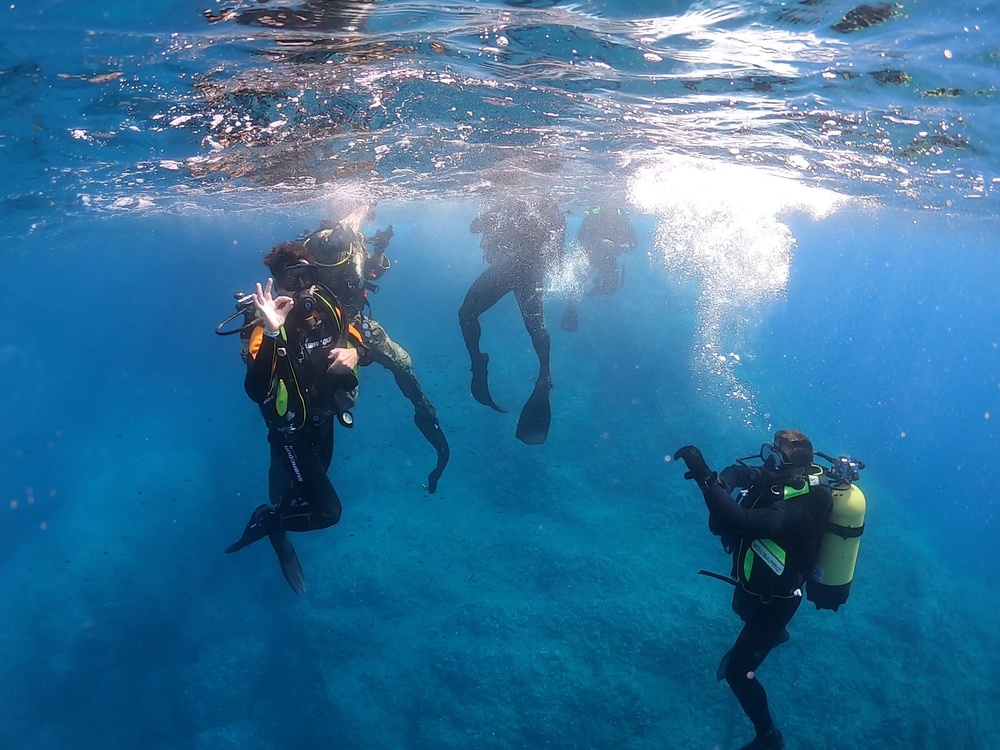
(480, 384)
(533, 425)
(434, 476)
(289, 560)
(431, 429)
(261, 522)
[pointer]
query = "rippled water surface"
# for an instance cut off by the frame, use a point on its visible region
(884, 99)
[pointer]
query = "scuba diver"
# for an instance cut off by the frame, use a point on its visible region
(521, 240)
(347, 267)
(302, 358)
(318, 15)
(605, 233)
(774, 534)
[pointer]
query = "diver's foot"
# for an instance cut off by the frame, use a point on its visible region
(480, 383)
(770, 741)
(430, 428)
(262, 522)
(570, 319)
(288, 560)
(536, 416)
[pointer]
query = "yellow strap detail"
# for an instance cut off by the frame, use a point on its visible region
(256, 339)
(334, 265)
(335, 310)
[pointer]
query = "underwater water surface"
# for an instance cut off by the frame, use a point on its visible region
(814, 189)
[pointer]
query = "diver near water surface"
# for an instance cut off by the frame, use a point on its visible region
(521, 239)
(311, 15)
(774, 535)
(301, 361)
(350, 270)
(605, 233)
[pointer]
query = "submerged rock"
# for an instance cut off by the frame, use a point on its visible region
(865, 16)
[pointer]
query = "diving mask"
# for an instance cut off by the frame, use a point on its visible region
(297, 278)
(772, 457)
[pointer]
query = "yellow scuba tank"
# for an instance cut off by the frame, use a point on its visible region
(830, 583)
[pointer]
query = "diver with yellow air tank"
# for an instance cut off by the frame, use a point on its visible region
(794, 528)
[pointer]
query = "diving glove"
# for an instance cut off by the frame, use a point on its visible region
(697, 468)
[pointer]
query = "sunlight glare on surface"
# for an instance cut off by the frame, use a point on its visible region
(721, 227)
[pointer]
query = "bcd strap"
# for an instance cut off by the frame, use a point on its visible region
(718, 576)
(845, 532)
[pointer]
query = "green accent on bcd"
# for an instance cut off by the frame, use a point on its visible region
(281, 400)
(791, 492)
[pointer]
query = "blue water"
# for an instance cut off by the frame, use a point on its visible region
(816, 211)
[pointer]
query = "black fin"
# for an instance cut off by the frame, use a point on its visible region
(533, 425)
(431, 429)
(261, 523)
(289, 561)
(480, 384)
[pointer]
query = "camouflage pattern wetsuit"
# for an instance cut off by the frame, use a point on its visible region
(348, 268)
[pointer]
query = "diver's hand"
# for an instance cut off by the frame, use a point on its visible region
(381, 238)
(342, 361)
(273, 310)
(697, 468)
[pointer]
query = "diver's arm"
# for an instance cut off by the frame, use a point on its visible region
(732, 477)
(378, 263)
(262, 357)
(263, 348)
(725, 514)
(342, 360)
(738, 476)
(274, 310)
(754, 523)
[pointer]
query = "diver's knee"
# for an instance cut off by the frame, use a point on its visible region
(738, 681)
(425, 417)
(466, 316)
(735, 670)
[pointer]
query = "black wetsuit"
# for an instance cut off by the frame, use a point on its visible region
(785, 524)
(287, 377)
(520, 242)
(605, 233)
